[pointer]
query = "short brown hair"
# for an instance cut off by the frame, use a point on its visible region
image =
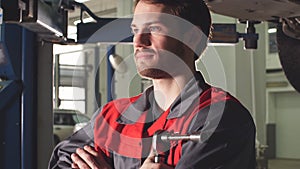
(194, 11)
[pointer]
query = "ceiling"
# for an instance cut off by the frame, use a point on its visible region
(102, 8)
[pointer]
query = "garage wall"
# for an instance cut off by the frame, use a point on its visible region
(243, 72)
(287, 125)
(127, 83)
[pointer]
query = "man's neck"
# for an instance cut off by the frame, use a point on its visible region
(167, 90)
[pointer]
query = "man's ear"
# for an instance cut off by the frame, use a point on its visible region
(193, 37)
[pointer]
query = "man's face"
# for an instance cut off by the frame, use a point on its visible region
(157, 53)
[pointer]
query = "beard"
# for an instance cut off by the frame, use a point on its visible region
(167, 64)
(153, 73)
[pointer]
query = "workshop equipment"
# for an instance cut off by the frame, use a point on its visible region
(163, 138)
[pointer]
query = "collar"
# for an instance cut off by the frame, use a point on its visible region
(146, 102)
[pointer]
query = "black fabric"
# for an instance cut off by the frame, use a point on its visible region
(230, 142)
(230, 146)
(60, 158)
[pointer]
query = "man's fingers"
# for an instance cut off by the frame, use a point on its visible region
(79, 163)
(150, 158)
(74, 166)
(99, 157)
(87, 158)
(149, 163)
(165, 166)
(91, 150)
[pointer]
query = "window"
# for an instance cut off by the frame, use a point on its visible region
(272, 38)
(79, 118)
(63, 119)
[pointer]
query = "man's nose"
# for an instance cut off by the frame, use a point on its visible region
(141, 39)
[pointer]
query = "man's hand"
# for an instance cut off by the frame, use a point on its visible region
(88, 158)
(149, 164)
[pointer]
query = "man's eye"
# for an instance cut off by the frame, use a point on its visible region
(154, 29)
(134, 31)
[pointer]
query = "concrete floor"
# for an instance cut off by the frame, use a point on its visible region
(283, 164)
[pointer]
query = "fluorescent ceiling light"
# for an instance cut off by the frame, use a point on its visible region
(72, 32)
(220, 44)
(72, 29)
(90, 19)
(272, 30)
(81, 1)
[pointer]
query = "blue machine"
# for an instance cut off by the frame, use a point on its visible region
(17, 95)
(24, 24)
(21, 32)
